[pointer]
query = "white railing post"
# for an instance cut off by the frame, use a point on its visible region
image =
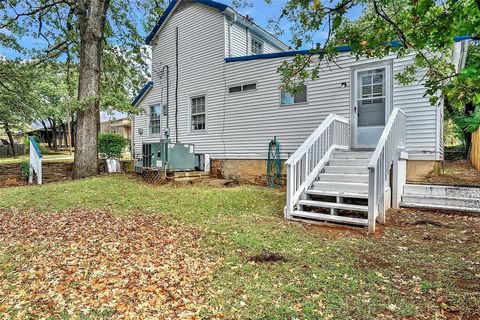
(390, 142)
(35, 165)
(290, 192)
(372, 198)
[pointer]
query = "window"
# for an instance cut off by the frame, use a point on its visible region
(198, 113)
(155, 121)
(286, 98)
(256, 46)
(245, 87)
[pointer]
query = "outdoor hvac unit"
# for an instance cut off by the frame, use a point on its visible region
(169, 156)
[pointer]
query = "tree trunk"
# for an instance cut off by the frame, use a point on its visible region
(47, 136)
(73, 132)
(10, 139)
(53, 126)
(64, 134)
(91, 25)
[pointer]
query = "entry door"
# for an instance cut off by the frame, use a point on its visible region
(371, 105)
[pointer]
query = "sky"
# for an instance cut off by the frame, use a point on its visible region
(261, 12)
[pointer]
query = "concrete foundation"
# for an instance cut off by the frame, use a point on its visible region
(417, 170)
(245, 171)
(255, 171)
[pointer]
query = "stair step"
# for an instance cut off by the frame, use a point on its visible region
(330, 218)
(337, 177)
(353, 154)
(349, 162)
(336, 194)
(333, 205)
(444, 201)
(442, 191)
(341, 187)
(346, 169)
(438, 207)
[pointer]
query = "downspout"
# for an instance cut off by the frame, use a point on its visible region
(176, 84)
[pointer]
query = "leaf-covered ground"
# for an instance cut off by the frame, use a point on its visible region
(95, 264)
(112, 247)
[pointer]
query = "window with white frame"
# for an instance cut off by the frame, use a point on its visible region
(256, 45)
(286, 98)
(198, 115)
(241, 88)
(155, 119)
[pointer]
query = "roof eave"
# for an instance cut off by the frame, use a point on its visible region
(146, 88)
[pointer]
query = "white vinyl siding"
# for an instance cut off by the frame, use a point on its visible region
(240, 126)
(239, 41)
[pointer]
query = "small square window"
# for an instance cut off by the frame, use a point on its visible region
(287, 98)
(256, 46)
(250, 86)
(198, 116)
(235, 89)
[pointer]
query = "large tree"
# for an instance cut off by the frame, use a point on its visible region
(81, 31)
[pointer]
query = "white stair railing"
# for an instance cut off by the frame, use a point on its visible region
(306, 163)
(391, 141)
(35, 162)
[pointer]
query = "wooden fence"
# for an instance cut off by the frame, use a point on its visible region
(6, 150)
(475, 152)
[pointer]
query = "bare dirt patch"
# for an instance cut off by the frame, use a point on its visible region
(457, 173)
(93, 264)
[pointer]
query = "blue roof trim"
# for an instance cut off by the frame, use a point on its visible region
(217, 5)
(142, 92)
(282, 54)
(461, 38)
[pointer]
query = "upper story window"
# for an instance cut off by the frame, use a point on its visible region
(256, 45)
(198, 115)
(287, 98)
(245, 87)
(155, 119)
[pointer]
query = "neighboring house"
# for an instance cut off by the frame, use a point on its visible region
(230, 101)
(120, 126)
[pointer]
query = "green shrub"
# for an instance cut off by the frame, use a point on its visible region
(25, 169)
(26, 143)
(111, 145)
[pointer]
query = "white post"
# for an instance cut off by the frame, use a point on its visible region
(372, 199)
(289, 206)
(39, 170)
(399, 178)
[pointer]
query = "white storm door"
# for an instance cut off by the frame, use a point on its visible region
(371, 106)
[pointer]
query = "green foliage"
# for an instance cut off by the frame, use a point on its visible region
(111, 145)
(25, 169)
(423, 28)
(26, 143)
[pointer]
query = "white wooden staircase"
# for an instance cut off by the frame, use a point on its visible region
(328, 182)
(341, 186)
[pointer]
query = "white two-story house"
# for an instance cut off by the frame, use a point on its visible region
(225, 95)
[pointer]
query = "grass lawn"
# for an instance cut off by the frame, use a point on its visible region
(114, 246)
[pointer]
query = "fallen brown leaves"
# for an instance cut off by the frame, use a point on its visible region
(94, 264)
